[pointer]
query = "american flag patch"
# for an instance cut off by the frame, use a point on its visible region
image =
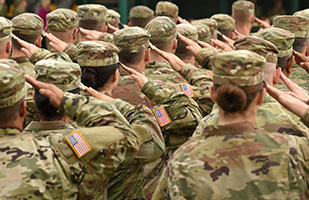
(161, 116)
(209, 74)
(186, 88)
(78, 143)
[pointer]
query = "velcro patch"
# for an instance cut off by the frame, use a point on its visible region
(162, 116)
(78, 143)
(186, 88)
(208, 74)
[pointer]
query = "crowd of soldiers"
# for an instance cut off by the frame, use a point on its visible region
(161, 108)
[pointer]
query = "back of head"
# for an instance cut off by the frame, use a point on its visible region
(131, 42)
(162, 31)
(6, 28)
(98, 60)
(203, 31)
(225, 23)
(166, 8)
(188, 31)
(211, 23)
(113, 17)
(243, 11)
(12, 90)
(140, 16)
(237, 78)
(92, 16)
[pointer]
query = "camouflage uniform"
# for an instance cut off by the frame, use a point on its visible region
(224, 21)
(203, 31)
(44, 165)
(62, 20)
(237, 161)
(211, 23)
(169, 9)
(113, 17)
(305, 120)
(142, 14)
(303, 13)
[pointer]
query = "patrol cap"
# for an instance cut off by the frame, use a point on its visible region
(28, 24)
(188, 31)
(281, 38)
(131, 39)
(224, 21)
(296, 24)
(6, 28)
(65, 75)
(203, 32)
(62, 20)
(162, 30)
(96, 53)
(240, 67)
(258, 45)
(303, 13)
(12, 83)
(211, 23)
(141, 12)
(245, 6)
(113, 17)
(92, 11)
(166, 8)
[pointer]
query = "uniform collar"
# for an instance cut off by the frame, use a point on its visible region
(229, 128)
(47, 125)
(4, 132)
(21, 59)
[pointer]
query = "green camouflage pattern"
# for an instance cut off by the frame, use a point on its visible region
(305, 120)
(240, 67)
(28, 24)
(64, 75)
(224, 21)
(303, 13)
(162, 30)
(300, 77)
(281, 38)
(246, 6)
(295, 24)
(141, 12)
(62, 19)
(25, 63)
(211, 23)
(258, 45)
(12, 83)
(166, 8)
(96, 53)
(6, 28)
(188, 31)
(212, 166)
(112, 17)
(203, 57)
(203, 32)
(92, 11)
(131, 40)
(106, 37)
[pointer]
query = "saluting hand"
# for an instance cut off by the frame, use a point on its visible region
(140, 78)
(90, 34)
(55, 43)
(98, 95)
(27, 48)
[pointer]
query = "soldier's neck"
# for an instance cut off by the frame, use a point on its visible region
(16, 53)
(140, 67)
(155, 57)
(243, 29)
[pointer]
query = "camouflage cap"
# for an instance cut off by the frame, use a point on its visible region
(203, 32)
(258, 45)
(303, 13)
(211, 23)
(6, 28)
(113, 17)
(296, 24)
(246, 6)
(281, 38)
(166, 8)
(65, 75)
(92, 11)
(188, 31)
(224, 21)
(62, 19)
(96, 53)
(162, 30)
(141, 12)
(240, 67)
(131, 39)
(28, 24)
(12, 83)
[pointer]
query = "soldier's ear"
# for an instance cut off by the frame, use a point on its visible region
(22, 110)
(8, 47)
(147, 55)
(74, 34)
(212, 94)
(290, 65)
(105, 28)
(38, 41)
(261, 96)
(130, 23)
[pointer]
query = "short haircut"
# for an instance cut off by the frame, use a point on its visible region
(299, 44)
(140, 22)
(91, 24)
(63, 35)
(28, 38)
(283, 61)
(227, 33)
(9, 114)
(132, 58)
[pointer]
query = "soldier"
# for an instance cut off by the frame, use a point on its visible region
(112, 18)
(304, 13)
(6, 28)
(168, 9)
(203, 31)
(140, 16)
(243, 14)
(52, 164)
(220, 164)
(225, 25)
(211, 23)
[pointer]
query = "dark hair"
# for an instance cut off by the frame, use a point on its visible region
(9, 114)
(28, 38)
(96, 77)
(283, 62)
(227, 33)
(181, 48)
(232, 98)
(47, 111)
(299, 44)
(91, 24)
(140, 22)
(132, 58)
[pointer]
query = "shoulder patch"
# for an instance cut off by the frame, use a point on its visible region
(78, 143)
(186, 88)
(161, 116)
(208, 74)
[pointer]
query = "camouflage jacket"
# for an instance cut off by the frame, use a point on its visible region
(25, 63)
(305, 120)
(51, 166)
(237, 161)
(271, 117)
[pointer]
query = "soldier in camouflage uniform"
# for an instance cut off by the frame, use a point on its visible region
(113, 18)
(211, 23)
(203, 32)
(243, 14)
(235, 160)
(140, 16)
(168, 9)
(49, 165)
(6, 28)
(225, 24)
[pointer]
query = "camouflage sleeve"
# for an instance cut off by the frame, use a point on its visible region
(39, 54)
(145, 127)
(161, 191)
(106, 37)
(305, 119)
(202, 58)
(71, 51)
